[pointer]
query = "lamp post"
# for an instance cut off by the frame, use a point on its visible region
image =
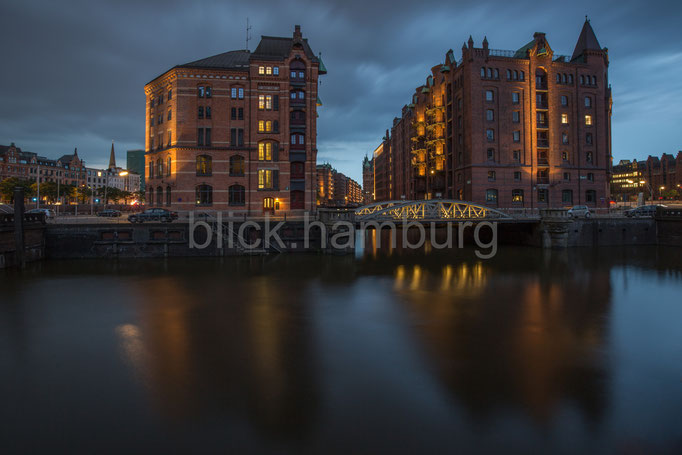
(651, 190)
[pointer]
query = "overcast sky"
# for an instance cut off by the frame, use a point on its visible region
(73, 72)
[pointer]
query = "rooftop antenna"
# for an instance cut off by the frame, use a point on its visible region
(248, 35)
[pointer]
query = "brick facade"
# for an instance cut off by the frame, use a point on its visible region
(236, 131)
(525, 128)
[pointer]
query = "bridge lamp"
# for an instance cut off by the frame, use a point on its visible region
(662, 188)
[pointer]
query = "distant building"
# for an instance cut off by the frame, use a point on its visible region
(368, 180)
(114, 176)
(325, 184)
(627, 180)
(505, 128)
(67, 170)
(135, 163)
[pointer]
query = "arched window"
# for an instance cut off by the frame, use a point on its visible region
(268, 204)
(151, 169)
(490, 73)
(150, 196)
(237, 195)
(237, 165)
(582, 80)
(594, 80)
(570, 78)
(159, 165)
(541, 79)
(159, 196)
(297, 200)
(169, 161)
(168, 195)
(509, 74)
(522, 76)
(497, 73)
(204, 195)
(482, 72)
(204, 166)
(558, 78)
(563, 78)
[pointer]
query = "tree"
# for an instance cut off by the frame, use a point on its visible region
(48, 190)
(7, 188)
(139, 195)
(84, 194)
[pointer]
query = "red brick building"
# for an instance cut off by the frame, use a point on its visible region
(525, 128)
(325, 184)
(67, 170)
(236, 131)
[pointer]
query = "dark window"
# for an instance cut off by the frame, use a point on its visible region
(208, 92)
(200, 112)
(200, 136)
(489, 95)
(489, 115)
(590, 177)
(516, 116)
(491, 176)
(490, 154)
(517, 176)
(204, 166)
(588, 157)
(588, 138)
(590, 196)
(516, 155)
(233, 137)
(208, 111)
(491, 196)
(516, 97)
(297, 170)
(204, 195)
(233, 113)
(240, 115)
(208, 137)
(201, 91)
(168, 195)
(564, 138)
(297, 200)
(240, 137)
(567, 197)
(542, 195)
(490, 135)
(564, 100)
(159, 196)
(588, 101)
(567, 176)
(237, 195)
(517, 136)
(170, 94)
(236, 165)
(170, 114)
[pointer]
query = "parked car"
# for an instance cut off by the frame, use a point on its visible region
(163, 215)
(579, 211)
(109, 213)
(643, 211)
(48, 213)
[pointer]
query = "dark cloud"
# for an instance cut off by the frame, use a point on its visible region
(73, 71)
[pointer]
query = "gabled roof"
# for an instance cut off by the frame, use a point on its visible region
(226, 60)
(277, 48)
(587, 41)
(523, 52)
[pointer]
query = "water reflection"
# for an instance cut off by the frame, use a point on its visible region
(328, 354)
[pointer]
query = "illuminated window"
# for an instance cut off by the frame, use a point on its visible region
(204, 166)
(261, 70)
(261, 102)
(275, 71)
(268, 101)
(268, 126)
(564, 156)
(265, 151)
(564, 119)
(268, 70)
(261, 126)
(517, 196)
(241, 93)
(268, 203)
(491, 196)
(267, 179)
(588, 120)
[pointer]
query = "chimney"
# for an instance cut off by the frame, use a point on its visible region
(297, 32)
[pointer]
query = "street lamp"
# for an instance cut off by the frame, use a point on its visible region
(651, 190)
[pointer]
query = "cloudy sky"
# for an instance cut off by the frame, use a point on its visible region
(73, 72)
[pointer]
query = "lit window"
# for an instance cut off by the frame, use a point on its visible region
(268, 70)
(261, 126)
(268, 102)
(275, 71)
(265, 151)
(261, 102)
(241, 93)
(268, 126)
(266, 179)
(517, 196)
(261, 70)
(491, 196)
(588, 120)
(233, 93)
(564, 119)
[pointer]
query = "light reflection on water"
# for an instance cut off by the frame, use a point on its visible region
(401, 351)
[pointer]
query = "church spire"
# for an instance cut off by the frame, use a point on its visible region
(587, 41)
(112, 157)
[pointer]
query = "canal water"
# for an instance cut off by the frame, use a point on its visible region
(531, 351)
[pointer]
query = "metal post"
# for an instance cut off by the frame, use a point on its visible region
(38, 185)
(106, 185)
(19, 225)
